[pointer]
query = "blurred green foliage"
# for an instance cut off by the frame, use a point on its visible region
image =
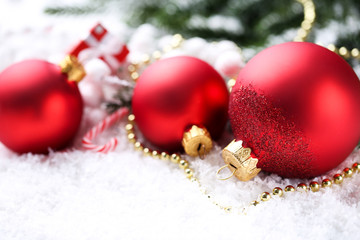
(252, 24)
(249, 23)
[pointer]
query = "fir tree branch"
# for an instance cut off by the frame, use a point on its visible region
(73, 10)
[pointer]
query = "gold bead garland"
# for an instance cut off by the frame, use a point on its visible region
(302, 34)
(289, 188)
(313, 186)
(326, 183)
(174, 158)
(263, 197)
(277, 191)
(344, 52)
(308, 22)
(146, 59)
(176, 42)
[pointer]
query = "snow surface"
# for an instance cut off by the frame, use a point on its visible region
(79, 194)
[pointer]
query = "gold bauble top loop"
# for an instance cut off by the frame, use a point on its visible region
(73, 68)
(197, 141)
(238, 159)
(224, 178)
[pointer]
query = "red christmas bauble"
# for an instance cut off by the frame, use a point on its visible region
(297, 106)
(174, 93)
(39, 107)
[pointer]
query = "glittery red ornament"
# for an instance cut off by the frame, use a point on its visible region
(39, 107)
(174, 93)
(297, 106)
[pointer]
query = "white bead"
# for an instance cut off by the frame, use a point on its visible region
(143, 39)
(194, 46)
(229, 63)
(91, 93)
(96, 69)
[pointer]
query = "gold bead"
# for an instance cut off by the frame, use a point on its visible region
(278, 192)
(299, 39)
(326, 183)
(155, 154)
(265, 196)
(344, 52)
(227, 209)
(175, 158)
(355, 53)
(348, 172)
(178, 37)
(131, 118)
(164, 156)
(356, 167)
(314, 186)
(231, 82)
(138, 146)
(183, 164)
(302, 33)
(254, 203)
(156, 55)
(202, 190)
(193, 179)
(129, 127)
(188, 172)
(310, 12)
(146, 151)
(302, 187)
(176, 41)
(338, 178)
(145, 59)
(132, 68)
(332, 48)
(131, 137)
(289, 188)
(134, 76)
(306, 25)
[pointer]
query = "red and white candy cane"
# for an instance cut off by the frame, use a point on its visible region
(101, 44)
(87, 141)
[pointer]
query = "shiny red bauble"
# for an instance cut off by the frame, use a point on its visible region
(174, 93)
(297, 106)
(39, 107)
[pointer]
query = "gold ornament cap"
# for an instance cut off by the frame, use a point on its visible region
(73, 68)
(197, 141)
(239, 161)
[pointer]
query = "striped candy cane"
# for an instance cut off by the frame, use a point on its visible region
(87, 141)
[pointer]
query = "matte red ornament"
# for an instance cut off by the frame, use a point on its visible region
(175, 93)
(39, 107)
(297, 106)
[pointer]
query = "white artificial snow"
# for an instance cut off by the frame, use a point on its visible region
(77, 194)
